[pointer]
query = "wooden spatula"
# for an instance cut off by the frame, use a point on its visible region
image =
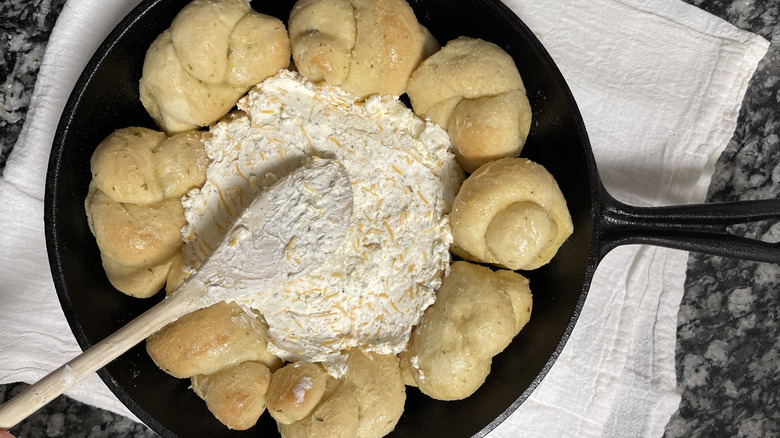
(289, 230)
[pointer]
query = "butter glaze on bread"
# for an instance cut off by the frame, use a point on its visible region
(366, 403)
(141, 166)
(135, 236)
(336, 415)
(295, 390)
(379, 390)
(208, 340)
(180, 163)
(363, 46)
(236, 394)
(123, 166)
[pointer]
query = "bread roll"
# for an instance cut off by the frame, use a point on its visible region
(379, 390)
(210, 339)
(136, 282)
(200, 34)
(364, 46)
(430, 44)
(141, 166)
(214, 51)
(295, 390)
(511, 213)
(335, 416)
(175, 99)
(236, 394)
(133, 206)
(473, 89)
(259, 48)
(367, 402)
(488, 128)
(476, 314)
(136, 236)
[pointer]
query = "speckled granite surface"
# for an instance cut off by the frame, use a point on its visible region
(728, 342)
(728, 348)
(24, 28)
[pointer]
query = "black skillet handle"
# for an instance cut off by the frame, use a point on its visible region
(698, 227)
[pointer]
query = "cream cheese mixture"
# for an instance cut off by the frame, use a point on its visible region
(378, 283)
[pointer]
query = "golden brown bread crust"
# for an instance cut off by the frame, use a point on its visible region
(133, 207)
(518, 289)
(236, 394)
(335, 416)
(200, 34)
(473, 89)
(135, 236)
(214, 51)
(476, 314)
(295, 390)
(465, 68)
(210, 339)
(322, 34)
(259, 48)
(429, 44)
(488, 128)
(363, 46)
(367, 402)
(177, 101)
(512, 213)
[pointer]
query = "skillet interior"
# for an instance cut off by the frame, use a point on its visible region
(106, 98)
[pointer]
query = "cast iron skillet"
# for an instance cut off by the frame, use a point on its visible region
(106, 98)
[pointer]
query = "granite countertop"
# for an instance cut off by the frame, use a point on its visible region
(728, 343)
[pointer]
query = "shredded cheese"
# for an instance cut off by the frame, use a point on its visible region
(378, 284)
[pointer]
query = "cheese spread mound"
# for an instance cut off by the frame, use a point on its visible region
(384, 275)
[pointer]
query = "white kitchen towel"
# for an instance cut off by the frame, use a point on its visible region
(659, 84)
(34, 336)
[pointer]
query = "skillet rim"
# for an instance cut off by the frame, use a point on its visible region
(51, 214)
(138, 13)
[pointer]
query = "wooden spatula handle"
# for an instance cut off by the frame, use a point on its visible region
(97, 356)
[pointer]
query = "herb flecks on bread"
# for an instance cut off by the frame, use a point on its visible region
(133, 207)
